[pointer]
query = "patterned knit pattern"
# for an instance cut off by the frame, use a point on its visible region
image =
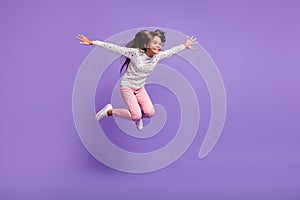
(140, 66)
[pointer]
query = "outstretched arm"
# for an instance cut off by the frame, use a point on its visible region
(128, 52)
(187, 45)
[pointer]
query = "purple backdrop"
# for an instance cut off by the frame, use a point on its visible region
(255, 45)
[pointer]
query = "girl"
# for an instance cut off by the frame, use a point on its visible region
(142, 55)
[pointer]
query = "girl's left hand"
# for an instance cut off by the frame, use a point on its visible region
(189, 42)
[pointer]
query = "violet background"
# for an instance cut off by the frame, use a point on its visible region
(255, 45)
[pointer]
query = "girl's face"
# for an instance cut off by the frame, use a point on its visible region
(154, 46)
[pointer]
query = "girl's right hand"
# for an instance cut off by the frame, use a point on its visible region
(84, 40)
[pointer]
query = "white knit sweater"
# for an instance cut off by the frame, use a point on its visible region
(140, 66)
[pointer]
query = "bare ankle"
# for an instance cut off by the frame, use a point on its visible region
(109, 113)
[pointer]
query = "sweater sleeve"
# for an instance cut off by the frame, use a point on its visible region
(124, 51)
(170, 52)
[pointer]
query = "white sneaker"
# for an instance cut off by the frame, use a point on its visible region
(139, 124)
(103, 112)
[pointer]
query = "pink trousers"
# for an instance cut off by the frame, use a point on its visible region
(134, 100)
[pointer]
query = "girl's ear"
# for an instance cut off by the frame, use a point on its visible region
(145, 46)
